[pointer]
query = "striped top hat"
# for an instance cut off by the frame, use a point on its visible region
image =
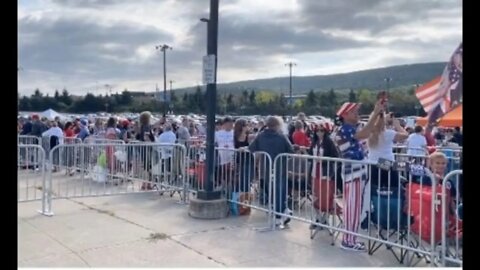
(347, 107)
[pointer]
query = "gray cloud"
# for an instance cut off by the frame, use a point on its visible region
(80, 46)
(88, 3)
(247, 44)
(70, 45)
(371, 15)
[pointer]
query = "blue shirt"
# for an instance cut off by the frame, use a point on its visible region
(83, 133)
(349, 146)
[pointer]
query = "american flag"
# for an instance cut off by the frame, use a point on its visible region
(443, 93)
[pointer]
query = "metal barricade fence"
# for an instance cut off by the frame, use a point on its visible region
(98, 140)
(27, 139)
(113, 169)
(246, 181)
(452, 219)
(244, 178)
(31, 183)
(453, 156)
(391, 206)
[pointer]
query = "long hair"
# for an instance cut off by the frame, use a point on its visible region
(378, 129)
(144, 118)
(238, 127)
(112, 122)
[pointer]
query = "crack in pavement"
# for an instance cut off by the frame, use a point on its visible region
(102, 211)
(63, 245)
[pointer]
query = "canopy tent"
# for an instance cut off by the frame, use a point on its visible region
(51, 114)
(454, 118)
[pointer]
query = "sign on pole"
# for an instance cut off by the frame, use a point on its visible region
(209, 69)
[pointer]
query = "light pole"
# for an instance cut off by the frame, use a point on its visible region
(108, 89)
(164, 49)
(212, 42)
(290, 65)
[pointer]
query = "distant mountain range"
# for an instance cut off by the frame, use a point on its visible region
(401, 76)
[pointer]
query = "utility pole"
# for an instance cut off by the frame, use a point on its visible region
(290, 65)
(164, 49)
(212, 43)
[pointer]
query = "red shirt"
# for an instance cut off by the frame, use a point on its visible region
(300, 138)
(69, 133)
(430, 139)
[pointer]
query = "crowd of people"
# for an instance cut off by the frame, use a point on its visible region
(346, 138)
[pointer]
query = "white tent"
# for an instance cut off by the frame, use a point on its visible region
(51, 114)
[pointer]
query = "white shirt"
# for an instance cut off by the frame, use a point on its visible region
(414, 143)
(384, 148)
(54, 131)
(224, 139)
(167, 137)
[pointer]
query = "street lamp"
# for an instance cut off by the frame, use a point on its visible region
(290, 65)
(212, 44)
(164, 49)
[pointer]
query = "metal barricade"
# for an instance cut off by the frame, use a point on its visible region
(27, 139)
(113, 169)
(453, 155)
(31, 183)
(389, 206)
(244, 178)
(452, 219)
(98, 140)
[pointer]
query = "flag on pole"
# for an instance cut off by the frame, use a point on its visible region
(443, 93)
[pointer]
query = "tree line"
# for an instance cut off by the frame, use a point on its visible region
(247, 102)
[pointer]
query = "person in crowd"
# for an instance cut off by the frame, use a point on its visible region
(55, 135)
(99, 129)
(410, 130)
(167, 152)
(145, 134)
(38, 127)
(76, 126)
(348, 140)
(243, 160)
(224, 139)
(68, 130)
(299, 137)
(59, 122)
(69, 136)
(83, 130)
(417, 143)
(381, 142)
(261, 126)
(111, 130)
(439, 136)
(125, 131)
(457, 137)
(323, 146)
(111, 133)
(274, 142)
(182, 133)
(27, 127)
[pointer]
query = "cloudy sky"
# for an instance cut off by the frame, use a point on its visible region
(84, 44)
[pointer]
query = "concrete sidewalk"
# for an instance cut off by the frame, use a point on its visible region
(146, 230)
